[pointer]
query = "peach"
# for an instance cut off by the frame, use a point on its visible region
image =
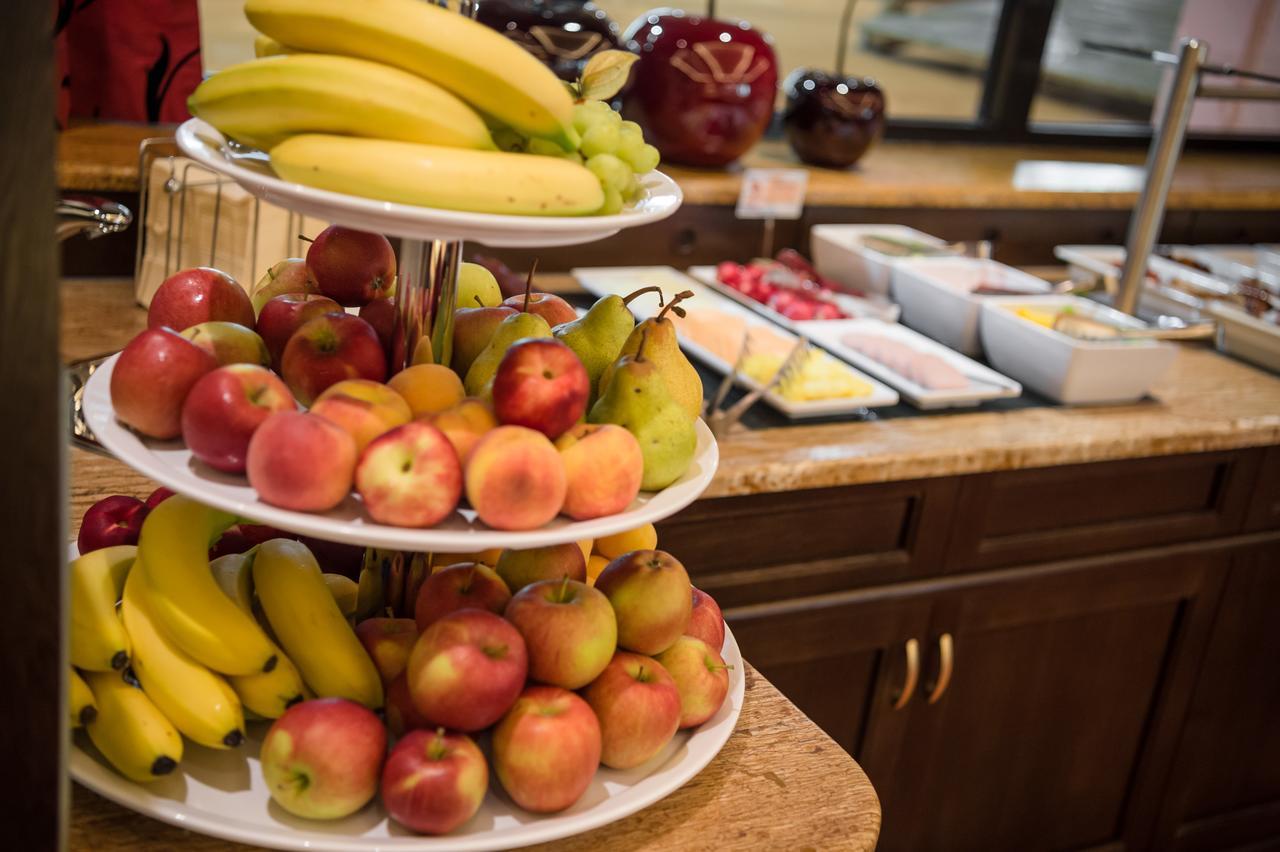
(428, 388)
(520, 568)
(603, 466)
(465, 424)
(641, 538)
(301, 461)
(365, 409)
(409, 477)
(585, 546)
(515, 479)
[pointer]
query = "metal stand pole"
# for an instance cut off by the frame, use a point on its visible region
(1166, 145)
(425, 297)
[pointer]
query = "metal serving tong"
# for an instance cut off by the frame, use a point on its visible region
(721, 420)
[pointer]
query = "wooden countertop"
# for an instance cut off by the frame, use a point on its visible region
(104, 158)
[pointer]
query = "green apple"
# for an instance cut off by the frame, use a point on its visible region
(476, 282)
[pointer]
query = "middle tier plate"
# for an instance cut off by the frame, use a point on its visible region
(171, 464)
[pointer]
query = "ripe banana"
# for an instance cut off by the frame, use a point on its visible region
(129, 730)
(233, 575)
(479, 65)
(198, 702)
(346, 593)
(265, 46)
(80, 700)
(264, 101)
(185, 600)
(310, 626)
(432, 176)
(98, 640)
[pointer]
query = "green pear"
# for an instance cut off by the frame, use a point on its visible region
(479, 380)
(663, 349)
(597, 336)
(637, 399)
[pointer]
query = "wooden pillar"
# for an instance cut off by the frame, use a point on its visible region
(33, 437)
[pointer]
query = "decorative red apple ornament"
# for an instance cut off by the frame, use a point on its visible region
(562, 34)
(704, 88)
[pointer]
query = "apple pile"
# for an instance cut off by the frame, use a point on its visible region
(289, 388)
(559, 671)
(789, 284)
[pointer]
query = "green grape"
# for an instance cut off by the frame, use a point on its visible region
(508, 140)
(612, 202)
(630, 147)
(629, 128)
(597, 107)
(600, 138)
(545, 148)
(582, 118)
(611, 172)
(645, 160)
(634, 190)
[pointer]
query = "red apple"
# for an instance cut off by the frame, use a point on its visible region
(352, 267)
(410, 476)
(151, 380)
(155, 498)
(322, 758)
(467, 585)
(700, 675)
(568, 628)
(652, 598)
(225, 408)
(388, 641)
(705, 620)
(434, 782)
(381, 314)
(290, 275)
(542, 385)
(198, 295)
(283, 315)
(546, 749)
(112, 520)
(328, 349)
(229, 342)
(301, 461)
(549, 306)
(638, 706)
(402, 715)
(466, 669)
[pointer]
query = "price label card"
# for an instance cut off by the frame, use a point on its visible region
(772, 194)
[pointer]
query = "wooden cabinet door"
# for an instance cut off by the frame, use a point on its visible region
(1226, 788)
(838, 659)
(1051, 713)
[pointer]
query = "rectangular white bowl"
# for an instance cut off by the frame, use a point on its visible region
(620, 280)
(839, 254)
(1066, 368)
(984, 384)
(934, 293)
(1248, 338)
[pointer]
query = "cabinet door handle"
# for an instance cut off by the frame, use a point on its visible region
(912, 649)
(946, 665)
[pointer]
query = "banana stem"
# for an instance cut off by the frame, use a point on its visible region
(528, 285)
(652, 288)
(672, 305)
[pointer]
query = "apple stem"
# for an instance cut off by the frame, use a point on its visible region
(842, 43)
(477, 298)
(711, 8)
(673, 305)
(437, 750)
(652, 288)
(528, 286)
(305, 238)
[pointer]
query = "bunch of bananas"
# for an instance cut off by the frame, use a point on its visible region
(401, 100)
(193, 645)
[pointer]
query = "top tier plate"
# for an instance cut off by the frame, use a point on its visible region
(200, 141)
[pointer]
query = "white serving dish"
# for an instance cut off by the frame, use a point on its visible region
(171, 463)
(1066, 368)
(934, 293)
(984, 384)
(621, 280)
(839, 254)
(1189, 302)
(881, 308)
(1246, 337)
(203, 143)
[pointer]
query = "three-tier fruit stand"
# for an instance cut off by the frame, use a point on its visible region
(223, 793)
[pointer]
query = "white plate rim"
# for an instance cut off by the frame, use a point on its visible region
(212, 488)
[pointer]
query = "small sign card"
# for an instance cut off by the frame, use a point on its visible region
(772, 194)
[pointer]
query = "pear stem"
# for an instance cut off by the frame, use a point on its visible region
(652, 288)
(671, 306)
(528, 286)
(477, 298)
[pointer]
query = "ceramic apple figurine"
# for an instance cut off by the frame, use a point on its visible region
(703, 89)
(562, 34)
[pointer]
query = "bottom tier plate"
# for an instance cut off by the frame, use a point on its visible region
(223, 794)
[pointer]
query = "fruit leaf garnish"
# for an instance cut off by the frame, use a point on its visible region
(604, 75)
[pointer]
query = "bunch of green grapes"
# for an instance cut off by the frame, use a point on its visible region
(614, 150)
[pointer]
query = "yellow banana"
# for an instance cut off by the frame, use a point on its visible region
(345, 591)
(198, 702)
(130, 731)
(310, 626)
(479, 65)
(98, 640)
(186, 601)
(433, 176)
(266, 100)
(266, 46)
(233, 575)
(80, 700)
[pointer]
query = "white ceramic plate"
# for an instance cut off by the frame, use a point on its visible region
(171, 463)
(223, 794)
(621, 280)
(984, 383)
(200, 141)
(878, 308)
